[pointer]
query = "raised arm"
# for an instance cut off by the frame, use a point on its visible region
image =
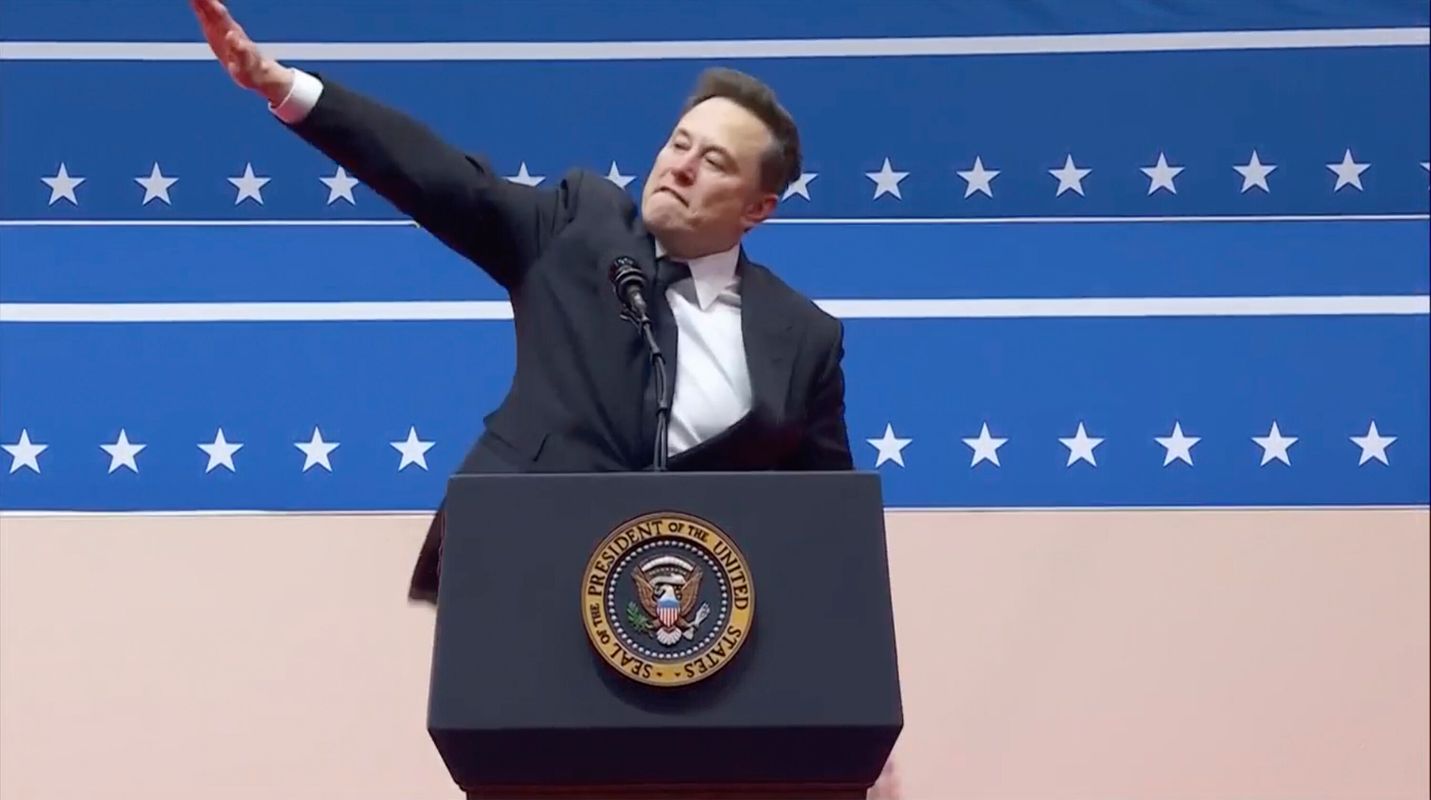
(499, 225)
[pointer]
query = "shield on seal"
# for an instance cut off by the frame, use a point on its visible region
(668, 607)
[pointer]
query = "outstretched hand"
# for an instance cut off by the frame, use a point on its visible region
(240, 57)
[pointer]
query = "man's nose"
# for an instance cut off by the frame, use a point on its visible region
(686, 169)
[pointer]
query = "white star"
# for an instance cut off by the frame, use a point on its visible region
(1373, 445)
(887, 180)
(1254, 173)
(248, 185)
(985, 447)
(614, 175)
(340, 185)
(315, 451)
(24, 453)
(412, 450)
(526, 178)
(890, 448)
(221, 452)
(1274, 445)
(62, 185)
(122, 452)
(1161, 175)
(1426, 165)
(978, 178)
(1069, 177)
(1179, 447)
(800, 186)
(156, 185)
(1348, 172)
(1080, 447)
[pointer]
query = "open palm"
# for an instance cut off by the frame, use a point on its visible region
(240, 57)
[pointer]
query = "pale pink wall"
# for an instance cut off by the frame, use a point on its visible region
(1051, 655)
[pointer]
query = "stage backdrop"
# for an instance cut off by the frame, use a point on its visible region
(1093, 260)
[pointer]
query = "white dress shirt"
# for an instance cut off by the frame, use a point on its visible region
(712, 384)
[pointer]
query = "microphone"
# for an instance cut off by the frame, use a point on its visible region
(630, 284)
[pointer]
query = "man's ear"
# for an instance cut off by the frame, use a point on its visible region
(761, 210)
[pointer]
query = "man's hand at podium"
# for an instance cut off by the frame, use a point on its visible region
(240, 57)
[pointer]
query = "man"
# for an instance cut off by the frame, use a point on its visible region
(755, 368)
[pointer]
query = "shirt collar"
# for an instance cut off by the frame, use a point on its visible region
(712, 274)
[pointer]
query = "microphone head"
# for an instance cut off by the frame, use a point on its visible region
(624, 273)
(630, 285)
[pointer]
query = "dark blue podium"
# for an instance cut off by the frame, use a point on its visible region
(665, 634)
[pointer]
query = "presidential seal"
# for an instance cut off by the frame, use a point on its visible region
(667, 599)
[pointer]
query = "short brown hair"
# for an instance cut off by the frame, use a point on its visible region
(780, 165)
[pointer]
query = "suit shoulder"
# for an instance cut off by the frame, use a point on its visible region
(811, 315)
(590, 187)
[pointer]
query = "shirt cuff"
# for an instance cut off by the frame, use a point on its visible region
(302, 96)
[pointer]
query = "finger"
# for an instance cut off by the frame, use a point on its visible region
(221, 13)
(214, 32)
(237, 47)
(216, 42)
(231, 27)
(205, 10)
(215, 16)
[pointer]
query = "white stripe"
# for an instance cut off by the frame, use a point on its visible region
(740, 48)
(407, 223)
(974, 308)
(256, 312)
(1103, 219)
(1027, 308)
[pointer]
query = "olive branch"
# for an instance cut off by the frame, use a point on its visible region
(636, 619)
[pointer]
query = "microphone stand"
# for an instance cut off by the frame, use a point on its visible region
(629, 283)
(637, 316)
(663, 398)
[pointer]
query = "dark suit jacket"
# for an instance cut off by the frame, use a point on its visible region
(581, 398)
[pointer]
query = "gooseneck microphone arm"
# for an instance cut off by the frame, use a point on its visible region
(630, 285)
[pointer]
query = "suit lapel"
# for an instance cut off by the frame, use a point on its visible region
(767, 330)
(634, 240)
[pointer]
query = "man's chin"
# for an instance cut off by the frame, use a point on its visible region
(660, 218)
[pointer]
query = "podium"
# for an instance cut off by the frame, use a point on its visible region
(664, 634)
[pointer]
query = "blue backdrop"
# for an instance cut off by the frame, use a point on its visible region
(1105, 223)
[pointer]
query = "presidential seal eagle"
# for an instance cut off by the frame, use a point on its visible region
(669, 599)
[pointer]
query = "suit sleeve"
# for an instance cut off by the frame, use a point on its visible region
(497, 224)
(827, 442)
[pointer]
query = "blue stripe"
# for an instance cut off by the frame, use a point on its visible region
(170, 387)
(1113, 113)
(499, 20)
(825, 261)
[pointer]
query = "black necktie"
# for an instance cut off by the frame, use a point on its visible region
(663, 324)
(668, 272)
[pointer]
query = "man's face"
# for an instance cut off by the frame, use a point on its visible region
(704, 191)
